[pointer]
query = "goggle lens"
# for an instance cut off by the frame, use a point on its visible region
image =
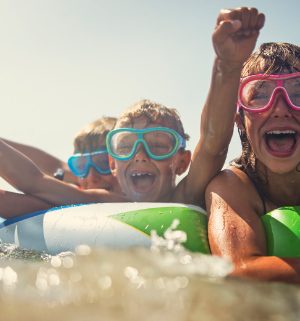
(159, 143)
(101, 161)
(257, 93)
(80, 164)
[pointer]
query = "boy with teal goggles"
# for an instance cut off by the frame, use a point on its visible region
(80, 164)
(159, 142)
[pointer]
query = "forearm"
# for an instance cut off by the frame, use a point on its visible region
(17, 169)
(46, 162)
(58, 192)
(218, 114)
(234, 39)
(269, 268)
(14, 204)
(217, 123)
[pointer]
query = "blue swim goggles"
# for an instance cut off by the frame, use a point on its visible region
(159, 142)
(80, 164)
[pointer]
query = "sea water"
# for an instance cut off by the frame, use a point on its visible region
(164, 283)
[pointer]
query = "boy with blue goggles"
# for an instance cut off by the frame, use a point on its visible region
(80, 164)
(159, 142)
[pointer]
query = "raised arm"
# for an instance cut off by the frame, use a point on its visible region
(46, 162)
(234, 39)
(235, 230)
(24, 175)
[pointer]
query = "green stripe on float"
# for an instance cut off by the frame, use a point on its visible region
(192, 222)
(282, 228)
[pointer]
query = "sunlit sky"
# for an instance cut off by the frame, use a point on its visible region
(65, 63)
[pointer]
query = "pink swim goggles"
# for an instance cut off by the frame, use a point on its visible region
(258, 92)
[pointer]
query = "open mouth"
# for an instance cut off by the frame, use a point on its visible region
(281, 142)
(142, 181)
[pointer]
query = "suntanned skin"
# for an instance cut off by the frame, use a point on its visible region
(235, 208)
(234, 39)
(15, 204)
(235, 228)
(46, 162)
(34, 182)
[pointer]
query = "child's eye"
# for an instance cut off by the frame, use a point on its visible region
(258, 96)
(124, 148)
(295, 98)
(159, 148)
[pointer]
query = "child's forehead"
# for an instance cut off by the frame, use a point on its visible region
(145, 122)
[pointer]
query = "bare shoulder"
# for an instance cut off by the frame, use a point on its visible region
(234, 208)
(230, 175)
(235, 189)
(227, 182)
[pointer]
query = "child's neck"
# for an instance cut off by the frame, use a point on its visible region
(283, 189)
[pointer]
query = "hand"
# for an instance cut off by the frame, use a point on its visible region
(236, 33)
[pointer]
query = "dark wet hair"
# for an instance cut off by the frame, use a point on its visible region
(270, 58)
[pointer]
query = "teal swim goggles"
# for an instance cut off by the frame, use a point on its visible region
(80, 164)
(159, 142)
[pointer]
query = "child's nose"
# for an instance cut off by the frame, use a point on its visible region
(141, 154)
(281, 107)
(94, 176)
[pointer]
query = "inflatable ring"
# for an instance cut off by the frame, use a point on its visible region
(283, 231)
(115, 225)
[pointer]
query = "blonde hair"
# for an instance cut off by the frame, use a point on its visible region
(154, 113)
(87, 139)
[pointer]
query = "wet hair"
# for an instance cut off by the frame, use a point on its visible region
(154, 113)
(87, 139)
(270, 58)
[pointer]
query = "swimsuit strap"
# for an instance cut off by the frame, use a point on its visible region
(258, 189)
(235, 163)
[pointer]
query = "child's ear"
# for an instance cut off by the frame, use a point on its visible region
(184, 162)
(112, 165)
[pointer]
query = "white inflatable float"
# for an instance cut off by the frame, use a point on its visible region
(115, 225)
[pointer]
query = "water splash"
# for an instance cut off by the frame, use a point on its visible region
(175, 258)
(167, 283)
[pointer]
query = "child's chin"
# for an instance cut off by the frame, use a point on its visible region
(143, 197)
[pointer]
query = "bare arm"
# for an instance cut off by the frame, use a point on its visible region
(235, 230)
(14, 204)
(46, 162)
(234, 39)
(24, 175)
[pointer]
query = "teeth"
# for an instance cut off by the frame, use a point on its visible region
(279, 132)
(141, 174)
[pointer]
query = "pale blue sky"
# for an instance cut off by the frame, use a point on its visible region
(65, 63)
